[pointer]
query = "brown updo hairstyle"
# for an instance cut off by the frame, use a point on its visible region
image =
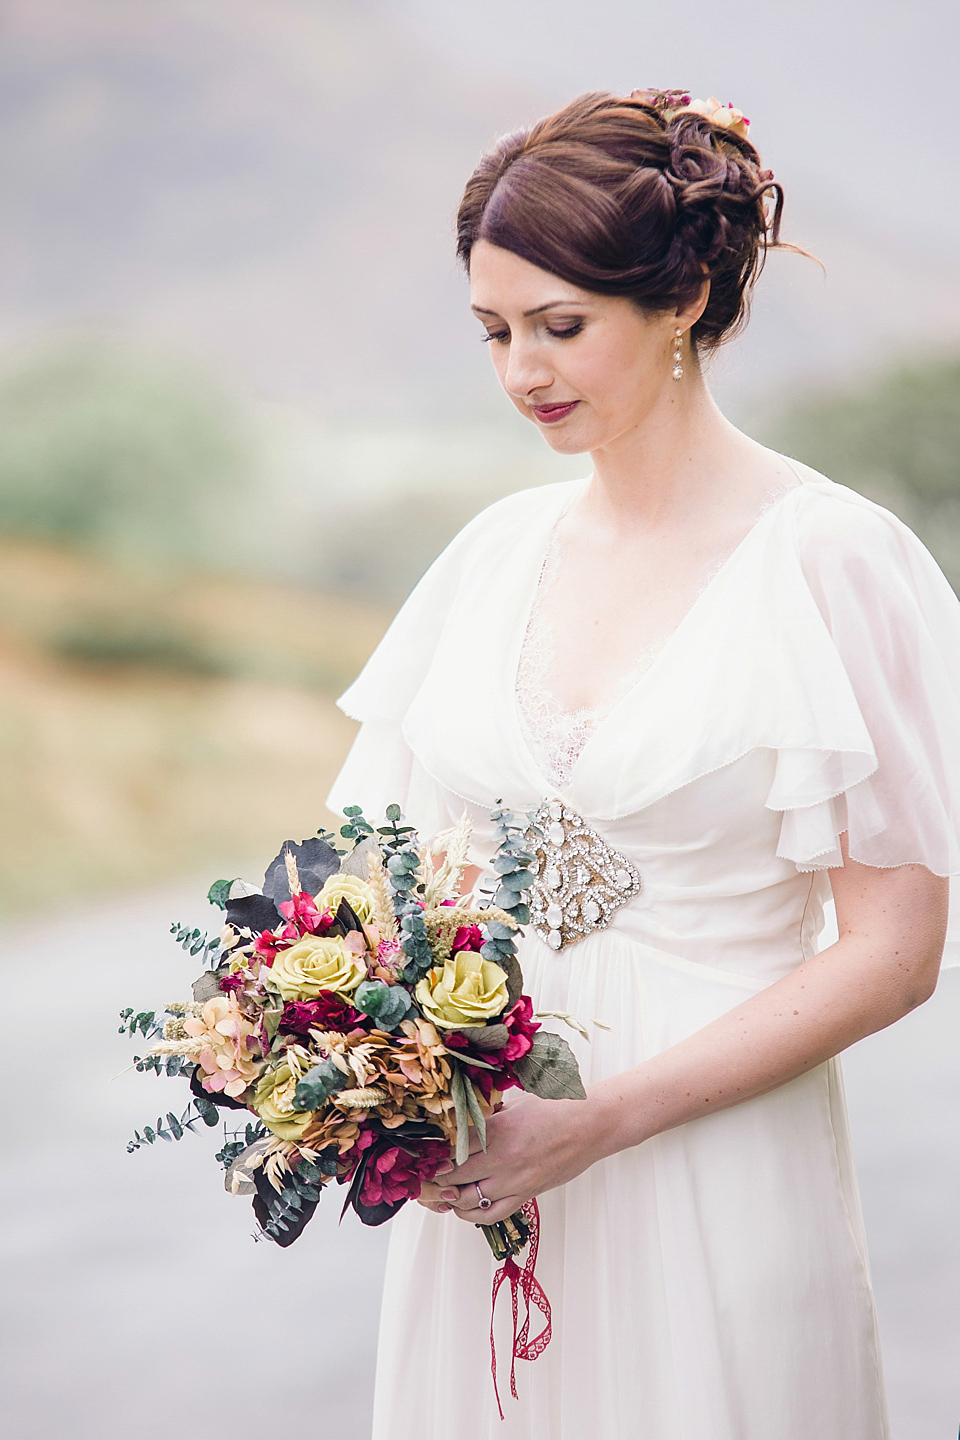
(622, 197)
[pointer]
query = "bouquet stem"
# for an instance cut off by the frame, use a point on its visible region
(507, 1237)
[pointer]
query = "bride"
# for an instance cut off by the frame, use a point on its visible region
(745, 680)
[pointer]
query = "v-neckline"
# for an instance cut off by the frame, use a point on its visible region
(771, 508)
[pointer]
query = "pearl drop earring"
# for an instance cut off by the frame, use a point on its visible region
(678, 354)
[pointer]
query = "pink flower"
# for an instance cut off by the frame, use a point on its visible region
(468, 937)
(522, 1026)
(303, 913)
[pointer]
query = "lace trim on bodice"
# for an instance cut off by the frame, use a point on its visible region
(555, 735)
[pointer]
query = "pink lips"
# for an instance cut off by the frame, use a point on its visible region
(547, 414)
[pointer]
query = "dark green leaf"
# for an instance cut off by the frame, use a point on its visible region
(218, 892)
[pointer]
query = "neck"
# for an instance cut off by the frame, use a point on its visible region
(670, 460)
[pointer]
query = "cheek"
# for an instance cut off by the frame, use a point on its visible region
(620, 374)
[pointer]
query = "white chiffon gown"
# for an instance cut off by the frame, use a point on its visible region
(712, 1283)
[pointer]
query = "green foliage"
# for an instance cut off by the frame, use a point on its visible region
(466, 1108)
(320, 1082)
(195, 942)
(171, 1128)
(511, 862)
(386, 1004)
(169, 1065)
(144, 1021)
(394, 835)
(356, 827)
(328, 838)
(219, 893)
(550, 1069)
(237, 1140)
(110, 449)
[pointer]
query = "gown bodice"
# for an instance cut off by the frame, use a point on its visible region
(813, 688)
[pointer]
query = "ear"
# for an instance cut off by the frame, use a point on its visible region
(690, 314)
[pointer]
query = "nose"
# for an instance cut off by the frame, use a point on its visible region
(525, 370)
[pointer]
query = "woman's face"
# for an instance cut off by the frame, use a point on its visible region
(587, 369)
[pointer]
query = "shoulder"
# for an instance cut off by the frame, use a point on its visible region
(854, 554)
(839, 532)
(509, 517)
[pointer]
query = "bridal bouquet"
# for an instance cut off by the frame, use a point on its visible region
(365, 1016)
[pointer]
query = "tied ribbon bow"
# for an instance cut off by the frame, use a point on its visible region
(522, 1282)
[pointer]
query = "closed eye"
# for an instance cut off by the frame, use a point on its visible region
(503, 336)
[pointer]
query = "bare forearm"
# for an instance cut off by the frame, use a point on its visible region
(826, 1004)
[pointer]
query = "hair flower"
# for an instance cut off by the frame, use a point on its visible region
(726, 116)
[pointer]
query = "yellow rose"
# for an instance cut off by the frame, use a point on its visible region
(273, 1102)
(355, 891)
(465, 990)
(315, 963)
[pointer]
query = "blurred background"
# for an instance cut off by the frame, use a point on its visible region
(242, 406)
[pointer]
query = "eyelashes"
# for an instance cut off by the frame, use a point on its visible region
(503, 336)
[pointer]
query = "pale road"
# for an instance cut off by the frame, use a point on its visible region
(134, 1301)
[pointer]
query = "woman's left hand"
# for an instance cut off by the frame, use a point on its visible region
(532, 1145)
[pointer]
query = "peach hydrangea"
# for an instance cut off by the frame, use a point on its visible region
(229, 1053)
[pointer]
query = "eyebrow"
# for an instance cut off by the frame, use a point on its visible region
(537, 310)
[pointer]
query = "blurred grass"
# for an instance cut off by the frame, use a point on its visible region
(896, 438)
(150, 727)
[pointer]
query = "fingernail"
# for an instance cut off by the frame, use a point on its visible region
(448, 1194)
(442, 1209)
(445, 1168)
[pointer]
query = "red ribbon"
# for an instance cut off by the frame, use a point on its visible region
(522, 1282)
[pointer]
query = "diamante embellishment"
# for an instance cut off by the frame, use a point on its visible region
(580, 880)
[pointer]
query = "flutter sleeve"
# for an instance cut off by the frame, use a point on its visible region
(894, 622)
(381, 769)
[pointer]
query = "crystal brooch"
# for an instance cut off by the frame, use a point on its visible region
(579, 880)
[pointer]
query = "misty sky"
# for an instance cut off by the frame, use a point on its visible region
(268, 187)
(855, 101)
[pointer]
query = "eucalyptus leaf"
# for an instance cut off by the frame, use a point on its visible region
(386, 1004)
(550, 1069)
(320, 1082)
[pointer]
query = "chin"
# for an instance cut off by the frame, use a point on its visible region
(571, 443)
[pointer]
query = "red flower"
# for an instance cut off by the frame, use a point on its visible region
(468, 937)
(393, 1175)
(231, 982)
(327, 1012)
(268, 942)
